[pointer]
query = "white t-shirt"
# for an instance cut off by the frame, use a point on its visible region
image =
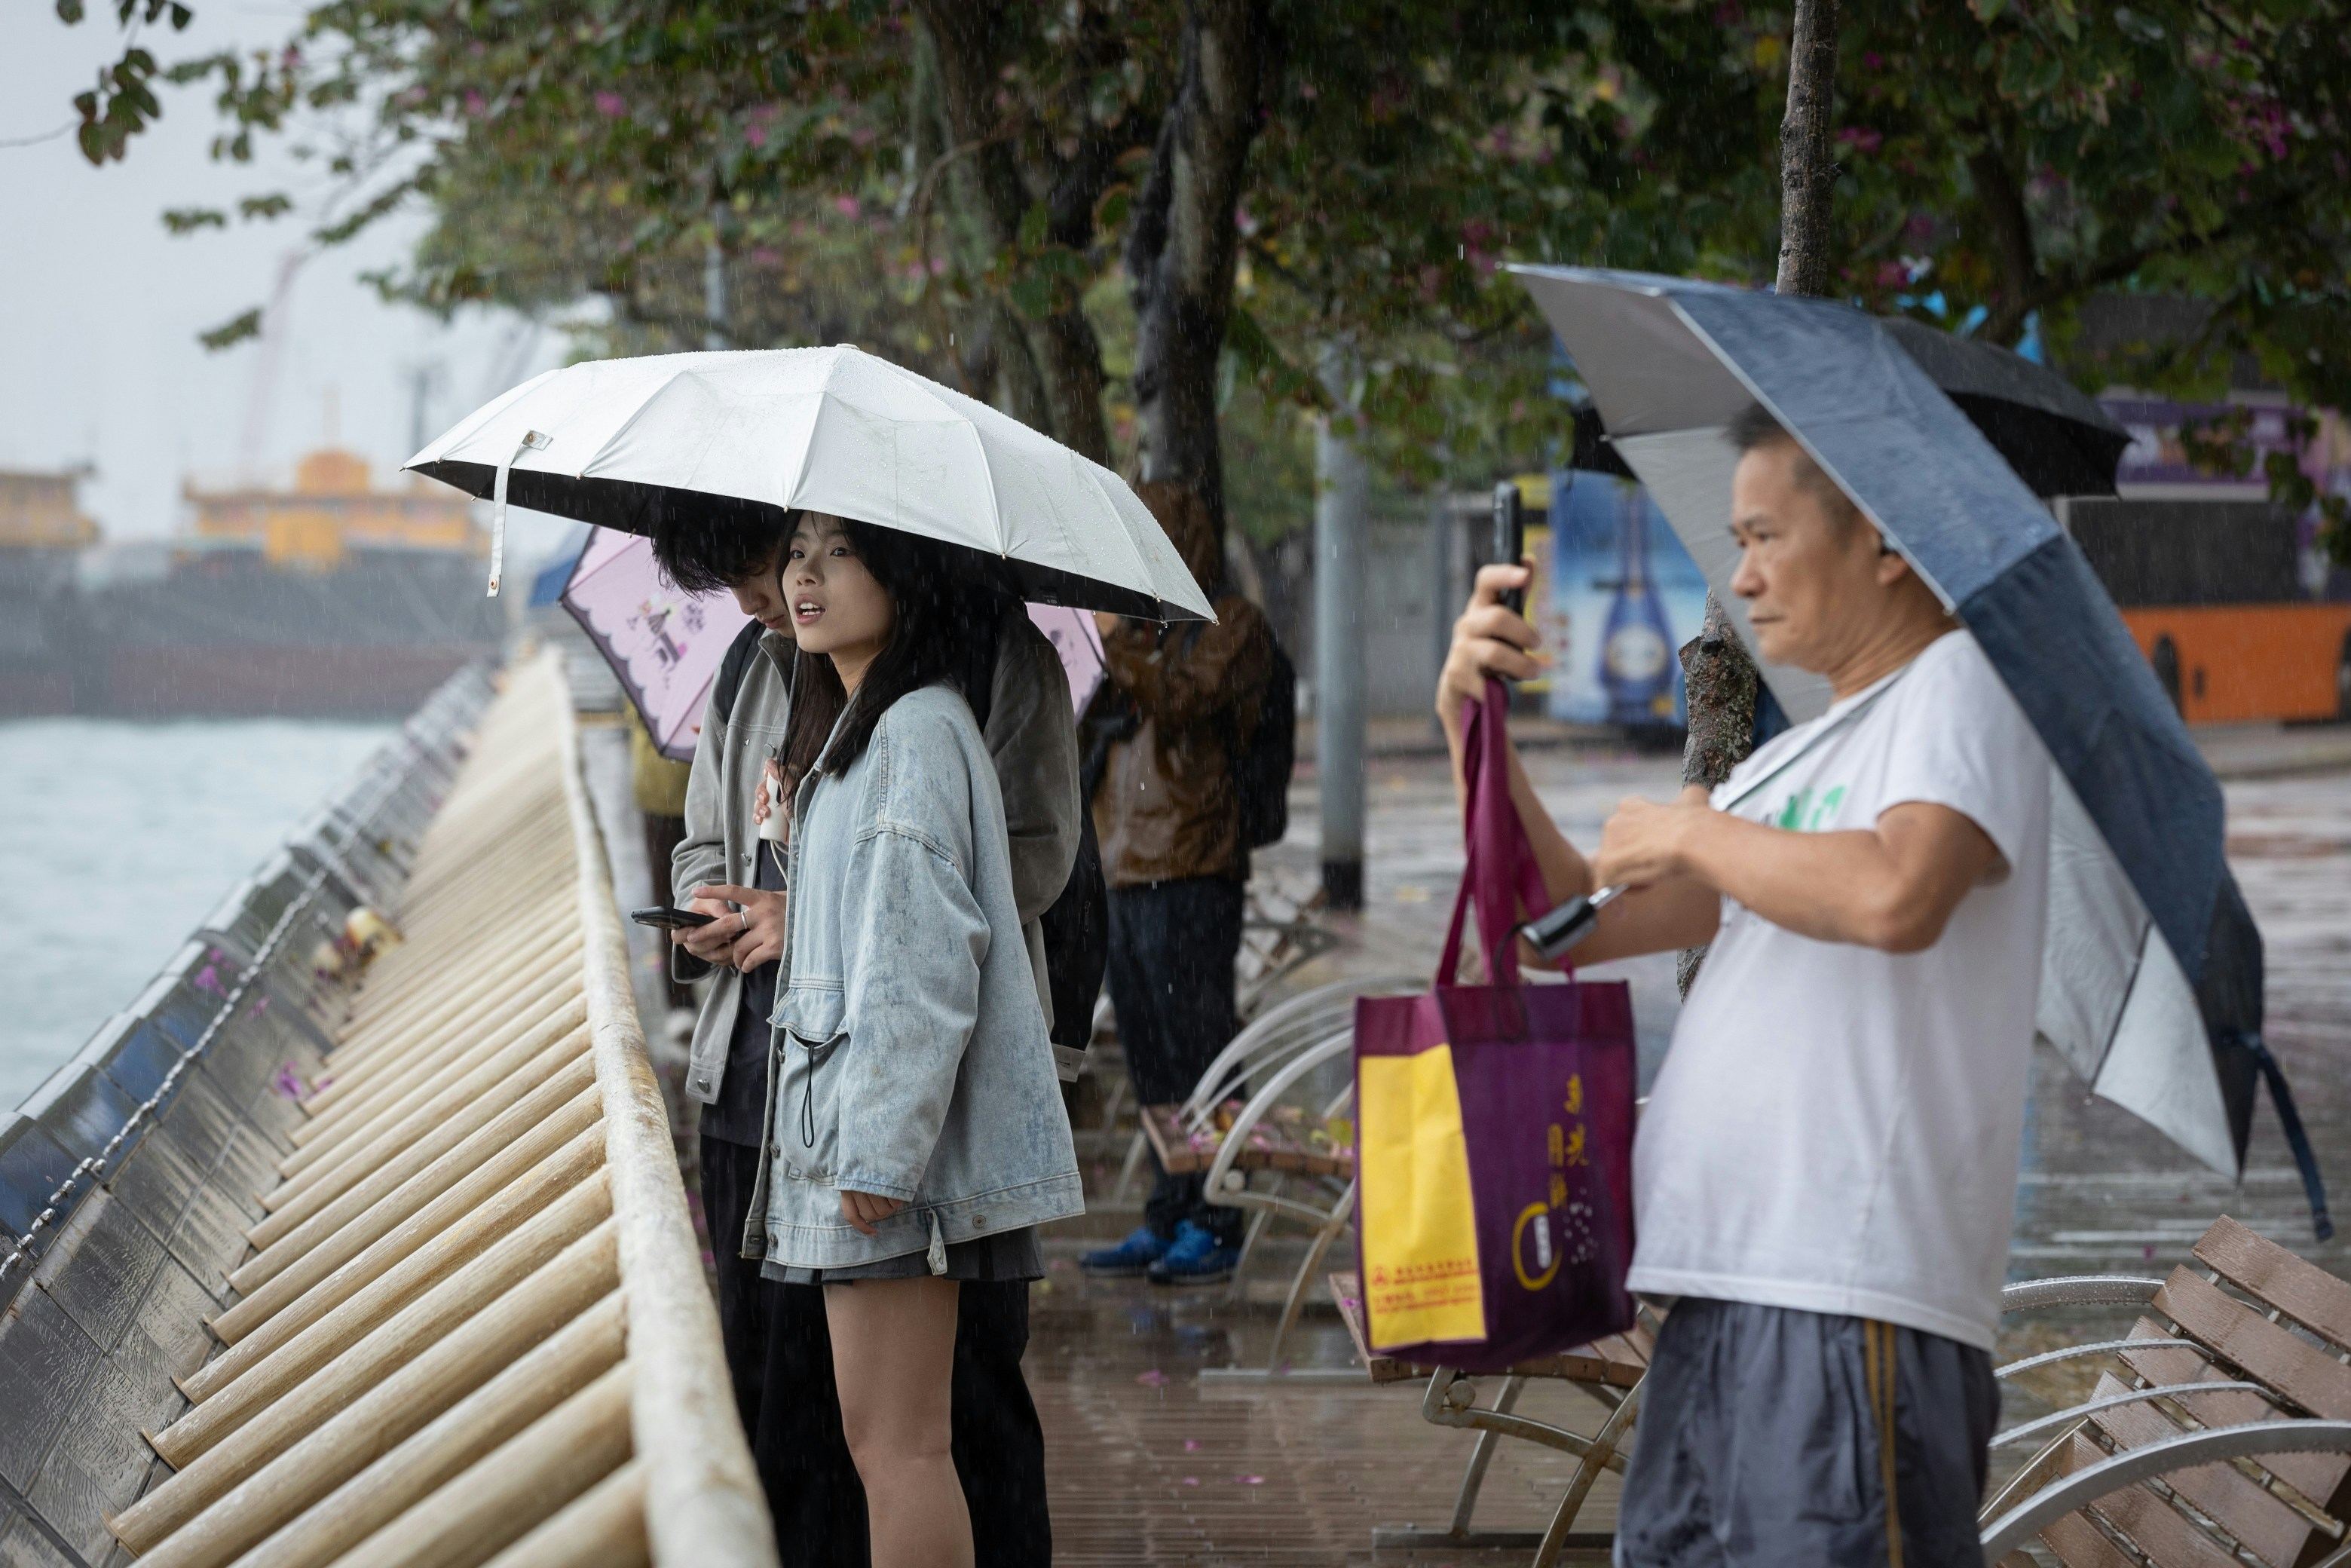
(1835, 1128)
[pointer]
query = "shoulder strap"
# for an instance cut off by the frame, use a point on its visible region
(1844, 721)
(732, 668)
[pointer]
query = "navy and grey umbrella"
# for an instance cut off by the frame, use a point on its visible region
(2059, 441)
(2144, 991)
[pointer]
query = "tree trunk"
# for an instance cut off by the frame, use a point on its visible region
(1722, 681)
(1808, 151)
(1051, 369)
(1723, 684)
(1183, 243)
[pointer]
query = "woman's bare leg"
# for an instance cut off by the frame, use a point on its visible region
(893, 1361)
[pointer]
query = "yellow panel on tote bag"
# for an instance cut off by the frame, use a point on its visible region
(1419, 1226)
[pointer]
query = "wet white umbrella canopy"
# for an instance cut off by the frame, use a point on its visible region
(622, 442)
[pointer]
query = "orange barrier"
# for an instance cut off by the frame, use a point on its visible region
(2239, 662)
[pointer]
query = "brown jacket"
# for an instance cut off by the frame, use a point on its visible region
(1166, 808)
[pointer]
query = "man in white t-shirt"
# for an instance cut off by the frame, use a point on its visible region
(1826, 1175)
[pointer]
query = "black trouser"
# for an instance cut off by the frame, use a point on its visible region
(1172, 947)
(779, 1353)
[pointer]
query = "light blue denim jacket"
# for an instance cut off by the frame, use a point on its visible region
(913, 1056)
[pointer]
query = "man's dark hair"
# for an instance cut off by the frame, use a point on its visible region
(1754, 428)
(716, 541)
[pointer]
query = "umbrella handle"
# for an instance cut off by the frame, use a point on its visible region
(532, 440)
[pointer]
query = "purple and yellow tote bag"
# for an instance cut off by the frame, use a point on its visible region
(1495, 1129)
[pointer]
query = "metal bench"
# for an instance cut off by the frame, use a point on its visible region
(1263, 1149)
(1609, 1370)
(2220, 1435)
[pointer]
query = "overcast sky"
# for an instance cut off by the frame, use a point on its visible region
(99, 306)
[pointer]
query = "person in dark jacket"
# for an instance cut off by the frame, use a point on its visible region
(1169, 818)
(777, 1343)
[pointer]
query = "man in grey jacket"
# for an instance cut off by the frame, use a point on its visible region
(778, 1346)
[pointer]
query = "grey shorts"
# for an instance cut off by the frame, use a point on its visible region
(1763, 1440)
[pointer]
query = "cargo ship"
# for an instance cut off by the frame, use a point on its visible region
(332, 598)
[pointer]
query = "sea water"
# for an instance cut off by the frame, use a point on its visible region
(117, 837)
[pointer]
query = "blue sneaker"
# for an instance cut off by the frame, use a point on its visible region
(1135, 1256)
(1194, 1258)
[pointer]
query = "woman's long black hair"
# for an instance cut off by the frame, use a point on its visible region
(946, 602)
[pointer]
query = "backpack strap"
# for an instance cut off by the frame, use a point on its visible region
(732, 669)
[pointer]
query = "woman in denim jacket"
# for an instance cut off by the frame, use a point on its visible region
(917, 1135)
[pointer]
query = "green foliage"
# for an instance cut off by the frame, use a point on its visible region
(2001, 162)
(232, 331)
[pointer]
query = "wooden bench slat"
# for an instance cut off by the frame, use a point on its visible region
(2295, 1286)
(2274, 1532)
(2161, 1532)
(1348, 1293)
(2268, 1354)
(2319, 1477)
(2078, 1543)
(1270, 1148)
(1164, 1126)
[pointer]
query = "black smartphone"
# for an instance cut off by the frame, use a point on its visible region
(667, 918)
(1509, 540)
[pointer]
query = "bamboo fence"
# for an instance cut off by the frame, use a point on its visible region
(473, 1326)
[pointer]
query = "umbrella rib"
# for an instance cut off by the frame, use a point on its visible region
(924, 386)
(1143, 567)
(643, 402)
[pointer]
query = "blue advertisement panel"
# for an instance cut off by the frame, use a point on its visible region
(1623, 596)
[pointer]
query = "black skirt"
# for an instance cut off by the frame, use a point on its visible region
(985, 1260)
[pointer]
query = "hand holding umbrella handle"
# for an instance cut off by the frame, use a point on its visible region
(1554, 933)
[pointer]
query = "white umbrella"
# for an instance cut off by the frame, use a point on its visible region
(623, 443)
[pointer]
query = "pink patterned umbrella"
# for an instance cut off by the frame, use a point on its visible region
(666, 645)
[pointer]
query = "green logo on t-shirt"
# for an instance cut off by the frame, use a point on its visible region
(1803, 814)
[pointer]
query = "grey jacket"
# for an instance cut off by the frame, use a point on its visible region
(913, 1060)
(1031, 738)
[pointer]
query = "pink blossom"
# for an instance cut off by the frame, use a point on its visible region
(847, 206)
(1861, 138)
(611, 105)
(757, 136)
(474, 103)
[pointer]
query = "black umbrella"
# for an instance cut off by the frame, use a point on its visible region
(2059, 441)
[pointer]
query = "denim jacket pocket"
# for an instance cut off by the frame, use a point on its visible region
(809, 1033)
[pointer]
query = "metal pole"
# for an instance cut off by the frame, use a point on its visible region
(714, 283)
(1341, 488)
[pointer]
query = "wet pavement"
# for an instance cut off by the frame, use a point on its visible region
(1151, 1463)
